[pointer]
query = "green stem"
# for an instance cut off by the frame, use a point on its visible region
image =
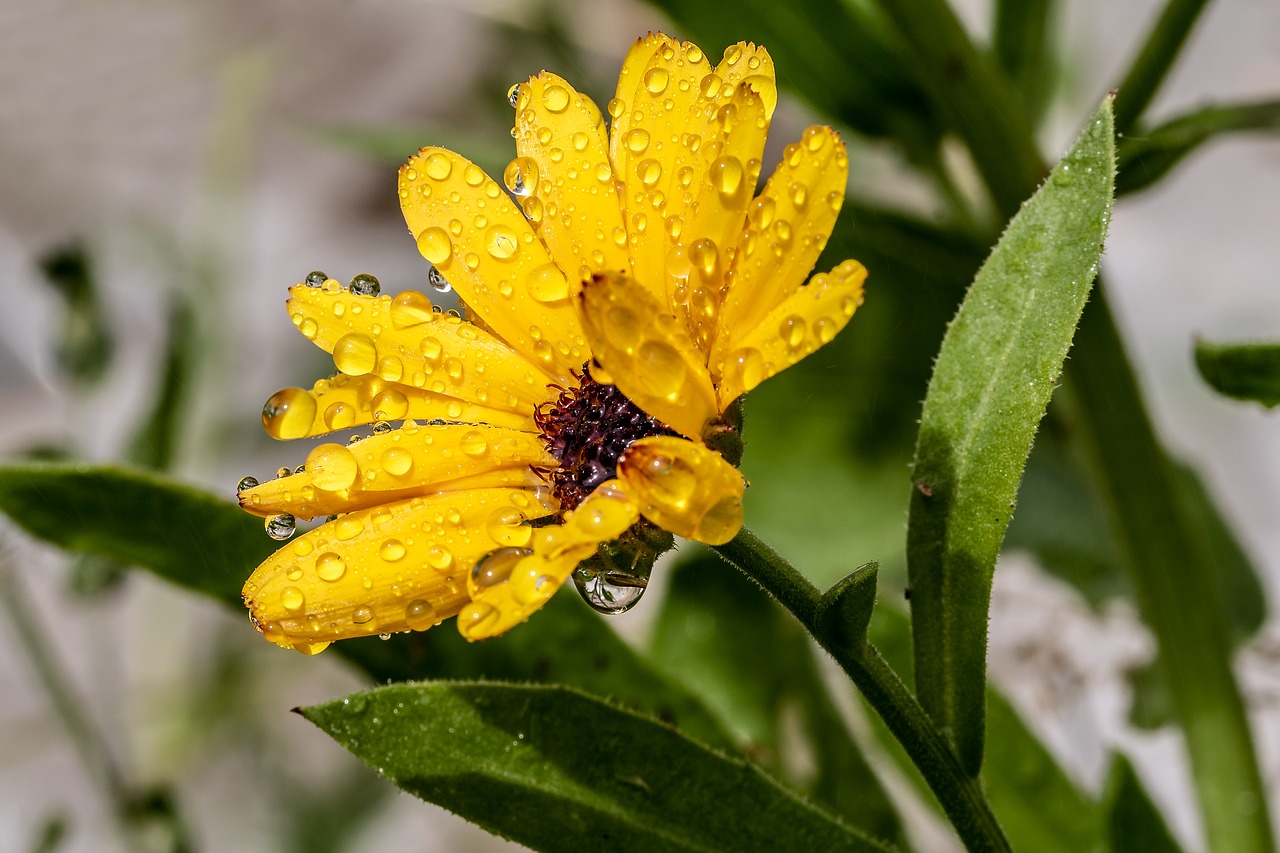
(959, 794)
(1174, 581)
(1154, 60)
(93, 751)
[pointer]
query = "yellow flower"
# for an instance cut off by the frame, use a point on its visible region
(583, 409)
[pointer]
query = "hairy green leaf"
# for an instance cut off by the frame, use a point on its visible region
(1242, 371)
(556, 769)
(998, 366)
(711, 614)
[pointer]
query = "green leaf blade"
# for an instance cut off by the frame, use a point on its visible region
(1242, 371)
(556, 769)
(998, 366)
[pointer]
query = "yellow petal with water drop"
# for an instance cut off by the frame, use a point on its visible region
(804, 321)
(342, 402)
(565, 177)
(395, 567)
(647, 354)
(745, 62)
(550, 558)
(403, 340)
(479, 240)
(684, 487)
(654, 150)
(633, 66)
(787, 228)
(397, 464)
(726, 186)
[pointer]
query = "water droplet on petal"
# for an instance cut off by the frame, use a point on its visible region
(291, 598)
(435, 245)
(365, 285)
(289, 413)
(245, 484)
(439, 558)
(392, 550)
(636, 140)
(792, 331)
(396, 461)
(746, 366)
(354, 354)
(420, 615)
(315, 278)
(281, 526)
(656, 79)
(660, 369)
(362, 615)
(330, 567)
(494, 568)
(438, 166)
(332, 467)
(501, 242)
(555, 98)
(547, 283)
(506, 526)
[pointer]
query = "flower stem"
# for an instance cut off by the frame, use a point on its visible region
(959, 794)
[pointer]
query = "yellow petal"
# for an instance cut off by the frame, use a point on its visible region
(394, 465)
(647, 354)
(403, 568)
(787, 228)
(565, 178)
(744, 62)
(342, 402)
(475, 235)
(684, 487)
(404, 340)
(804, 322)
(712, 227)
(657, 144)
(633, 67)
(512, 583)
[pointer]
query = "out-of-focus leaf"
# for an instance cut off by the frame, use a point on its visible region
(209, 545)
(1147, 155)
(1022, 46)
(839, 57)
(52, 833)
(1133, 821)
(556, 769)
(711, 616)
(1038, 805)
(998, 366)
(329, 821)
(1243, 371)
(155, 443)
(85, 345)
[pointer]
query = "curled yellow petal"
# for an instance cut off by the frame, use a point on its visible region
(479, 240)
(397, 567)
(684, 487)
(805, 321)
(564, 178)
(342, 402)
(397, 464)
(744, 62)
(404, 340)
(647, 354)
(510, 584)
(787, 228)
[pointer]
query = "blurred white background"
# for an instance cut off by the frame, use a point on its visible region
(172, 137)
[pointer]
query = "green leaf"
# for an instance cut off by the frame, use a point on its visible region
(1147, 156)
(210, 545)
(556, 769)
(155, 444)
(840, 58)
(1038, 805)
(1021, 44)
(187, 536)
(1242, 371)
(998, 366)
(85, 345)
(1133, 821)
(711, 614)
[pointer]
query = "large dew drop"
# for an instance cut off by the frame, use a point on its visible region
(289, 413)
(280, 527)
(609, 592)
